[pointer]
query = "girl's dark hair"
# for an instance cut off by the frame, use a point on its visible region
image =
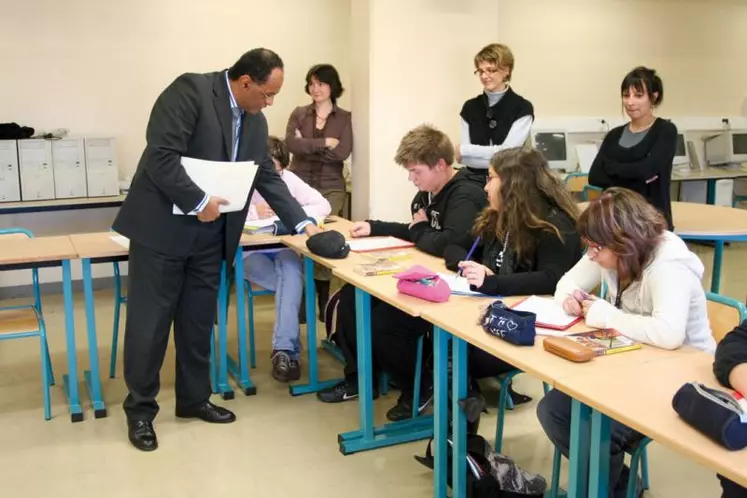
(278, 151)
(625, 223)
(644, 80)
(326, 73)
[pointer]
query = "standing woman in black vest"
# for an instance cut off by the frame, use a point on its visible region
(498, 118)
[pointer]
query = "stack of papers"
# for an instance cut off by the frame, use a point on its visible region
(229, 180)
(266, 225)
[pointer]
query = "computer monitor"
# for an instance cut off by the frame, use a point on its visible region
(554, 146)
(728, 147)
(680, 151)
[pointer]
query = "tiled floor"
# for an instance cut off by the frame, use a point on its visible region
(279, 447)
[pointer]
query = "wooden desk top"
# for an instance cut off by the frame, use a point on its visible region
(35, 250)
(97, 245)
(259, 240)
(641, 398)
(384, 287)
(534, 360)
(708, 174)
(695, 219)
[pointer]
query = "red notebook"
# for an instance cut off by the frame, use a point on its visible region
(550, 315)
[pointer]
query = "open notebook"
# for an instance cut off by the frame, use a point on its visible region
(550, 315)
(459, 285)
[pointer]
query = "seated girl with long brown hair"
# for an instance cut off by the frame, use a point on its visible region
(527, 242)
(527, 239)
(654, 296)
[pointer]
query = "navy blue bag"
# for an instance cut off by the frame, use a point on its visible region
(714, 413)
(516, 327)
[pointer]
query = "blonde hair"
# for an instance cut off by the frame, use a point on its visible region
(424, 145)
(527, 187)
(497, 54)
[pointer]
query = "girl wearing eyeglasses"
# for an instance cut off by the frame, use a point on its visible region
(498, 118)
(654, 296)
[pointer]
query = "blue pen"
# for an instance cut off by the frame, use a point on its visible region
(471, 252)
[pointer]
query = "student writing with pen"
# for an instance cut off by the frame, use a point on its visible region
(522, 243)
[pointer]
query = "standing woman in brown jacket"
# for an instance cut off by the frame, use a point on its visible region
(320, 137)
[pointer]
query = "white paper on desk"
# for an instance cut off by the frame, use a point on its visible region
(547, 310)
(261, 223)
(229, 180)
(121, 240)
(459, 285)
(369, 244)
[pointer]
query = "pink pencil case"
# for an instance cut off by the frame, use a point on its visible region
(422, 283)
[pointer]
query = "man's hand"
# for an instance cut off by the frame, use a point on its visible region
(312, 229)
(331, 143)
(264, 211)
(211, 211)
(360, 229)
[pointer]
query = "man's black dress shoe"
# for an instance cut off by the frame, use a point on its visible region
(142, 435)
(207, 412)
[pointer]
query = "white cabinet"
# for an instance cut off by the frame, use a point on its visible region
(10, 187)
(68, 157)
(101, 166)
(35, 166)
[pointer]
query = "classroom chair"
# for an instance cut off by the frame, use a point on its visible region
(738, 199)
(591, 192)
(575, 182)
(724, 314)
(18, 322)
(253, 291)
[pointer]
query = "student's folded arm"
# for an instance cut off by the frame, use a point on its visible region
(598, 176)
(390, 228)
(585, 275)
(659, 159)
(554, 258)
(731, 353)
(456, 220)
(667, 325)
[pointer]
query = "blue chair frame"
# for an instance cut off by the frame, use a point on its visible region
(40, 332)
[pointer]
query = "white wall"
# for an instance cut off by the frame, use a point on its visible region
(97, 66)
(572, 54)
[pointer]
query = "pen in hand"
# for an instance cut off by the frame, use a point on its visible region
(469, 254)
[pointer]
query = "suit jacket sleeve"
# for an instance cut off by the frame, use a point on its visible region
(272, 187)
(170, 127)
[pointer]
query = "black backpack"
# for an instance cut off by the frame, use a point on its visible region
(481, 480)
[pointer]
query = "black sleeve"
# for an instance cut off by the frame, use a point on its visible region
(658, 159)
(553, 259)
(730, 353)
(272, 187)
(390, 228)
(457, 251)
(171, 124)
(598, 176)
(458, 217)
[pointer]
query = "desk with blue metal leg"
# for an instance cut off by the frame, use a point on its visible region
(25, 253)
(368, 437)
(313, 384)
(238, 369)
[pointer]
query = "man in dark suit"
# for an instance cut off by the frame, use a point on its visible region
(175, 260)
